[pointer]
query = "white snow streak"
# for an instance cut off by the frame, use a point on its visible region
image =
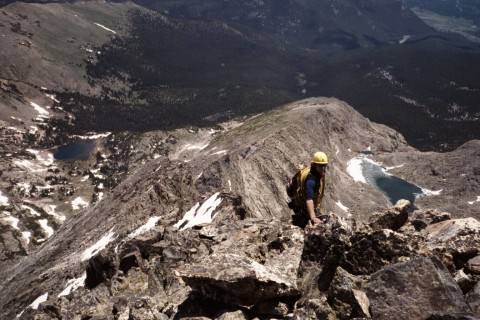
(200, 215)
(404, 39)
(98, 246)
(41, 111)
(34, 305)
(73, 284)
(341, 206)
(151, 223)
(105, 28)
(93, 136)
(428, 192)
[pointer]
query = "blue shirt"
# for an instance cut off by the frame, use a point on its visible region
(311, 186)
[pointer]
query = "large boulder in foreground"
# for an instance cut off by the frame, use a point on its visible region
(413, 290)
(236, 279)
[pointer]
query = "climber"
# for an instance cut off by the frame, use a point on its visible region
(306, 190)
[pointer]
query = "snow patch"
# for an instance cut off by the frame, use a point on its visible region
(341, 206)
(472, 202)
(151, 223)
(93, 136)
(195, 146)
(48, 230)
(79, 203)
(29, 165)
(11, 220)
(51, 210)
(44, 157)
(98, 246)
(41, 111)
(355, 170)
(105, 28)
(219, 152)
(428, 192)
(26, 235)
(404, 39)
(32, 211)
(34, 305)
(3, 200)
(73, 284)
(200, 215)
(52, 97)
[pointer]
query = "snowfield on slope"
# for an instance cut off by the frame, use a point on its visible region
(199, 215)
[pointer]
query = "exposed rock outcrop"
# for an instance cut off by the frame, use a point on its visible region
(414, 290)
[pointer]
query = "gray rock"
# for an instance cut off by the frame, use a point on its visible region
(271, 308)
(236, 279)
(473, 299)
(473, 265)
(236, 315)
(465, 281)
(371, 251)
(313, 309)
(392, 219)
(421, 219)
(346, 295)
(414, 290)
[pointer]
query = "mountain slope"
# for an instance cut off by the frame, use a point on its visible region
(249, 165)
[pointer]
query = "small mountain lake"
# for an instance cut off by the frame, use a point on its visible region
(393, 187)
(365, 170)
(78, 150)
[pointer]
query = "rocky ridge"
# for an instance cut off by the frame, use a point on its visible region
(206, 231)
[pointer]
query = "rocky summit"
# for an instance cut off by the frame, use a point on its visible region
(203, 229)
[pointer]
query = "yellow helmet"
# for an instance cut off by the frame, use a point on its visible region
(320, 158)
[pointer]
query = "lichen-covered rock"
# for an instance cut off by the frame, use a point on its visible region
(414, 290)
(372, 251)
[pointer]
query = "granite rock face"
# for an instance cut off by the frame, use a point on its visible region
(414, 290)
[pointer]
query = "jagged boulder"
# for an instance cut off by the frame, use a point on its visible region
(392, 219)
(235, 315)
(464, 280)
(455, 241)
(314, 309)
(371, 251)
(473, 299)
(473, 265)
(236, 279)
(414, 290)
(346, 296)
(420, 219)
